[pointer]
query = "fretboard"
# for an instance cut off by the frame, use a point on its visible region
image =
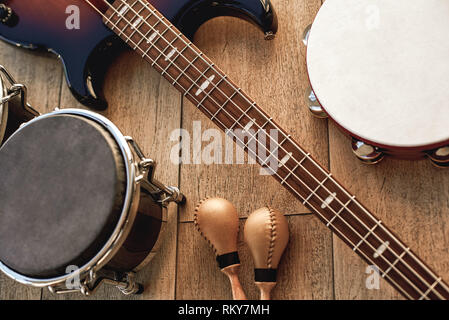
(153, 37)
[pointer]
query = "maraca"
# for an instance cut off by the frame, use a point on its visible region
(217, 220)
(266, 234)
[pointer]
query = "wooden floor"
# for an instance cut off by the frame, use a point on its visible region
(410, 197)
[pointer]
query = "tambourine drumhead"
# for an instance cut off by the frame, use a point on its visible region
(380, 69)
(62, 190)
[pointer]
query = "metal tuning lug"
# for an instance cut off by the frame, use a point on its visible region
(314, 106)
(305, 35)
(440, 157)
(367, 153)
(128, 285)
(18, 89)
(147, 167)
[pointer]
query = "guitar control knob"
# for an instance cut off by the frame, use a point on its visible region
(6, 14)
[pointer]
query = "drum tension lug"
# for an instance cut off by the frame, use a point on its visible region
(147, 167)
(366, 153)
(125, 282)
(17, 89)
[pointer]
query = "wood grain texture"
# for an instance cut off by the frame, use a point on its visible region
(305, 270)
(273, 74)
(410, 197)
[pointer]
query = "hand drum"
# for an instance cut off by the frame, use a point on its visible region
(266, 233)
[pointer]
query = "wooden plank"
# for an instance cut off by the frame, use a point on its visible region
(273, 73)
(305, 271)
(145, 106)
(42, 75)
(408, 196)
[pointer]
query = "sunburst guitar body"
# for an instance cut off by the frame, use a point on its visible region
(88, 47)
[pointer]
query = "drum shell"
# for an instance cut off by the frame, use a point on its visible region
(13, 117)
(145, 236)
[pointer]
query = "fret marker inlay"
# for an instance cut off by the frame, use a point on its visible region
(123, 10)
(249, 125)
(168, 57)
(205, 85)
(285, 159)
(153, 35)
(381, 249)
(136, 23)
(328, 200)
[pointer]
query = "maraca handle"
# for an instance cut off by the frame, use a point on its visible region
(237, 290)
(265, 289)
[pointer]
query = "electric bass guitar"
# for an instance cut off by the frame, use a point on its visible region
(87, 47)
(158, 41)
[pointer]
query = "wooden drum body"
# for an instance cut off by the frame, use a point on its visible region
(379, 69)
(90, 210)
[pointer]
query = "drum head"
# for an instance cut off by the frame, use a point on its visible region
(380, 69)
(62, 190)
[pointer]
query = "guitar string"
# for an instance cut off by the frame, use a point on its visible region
(217, 119)
(377, 223)
(363, 239)
(374, 219)
(145, 5)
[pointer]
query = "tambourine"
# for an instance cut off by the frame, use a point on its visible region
(379, 69)
(79, 204)
(14, 108)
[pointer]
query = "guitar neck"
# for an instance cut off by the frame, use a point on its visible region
(152, 36)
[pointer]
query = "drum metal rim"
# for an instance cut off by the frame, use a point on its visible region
(3, 109)
(127, 216)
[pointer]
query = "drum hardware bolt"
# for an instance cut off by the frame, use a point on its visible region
(269, 35)
(367, 153)
(146, 163)
(305, 36)
(314, 106)
(15, 90)
(92, 276)
(54, 290)
(85, 291)
(129, 285)
(174, 196)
